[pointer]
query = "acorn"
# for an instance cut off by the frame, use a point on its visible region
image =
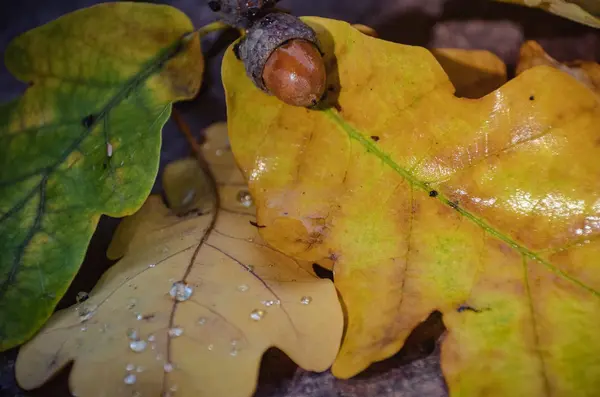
(282, 57)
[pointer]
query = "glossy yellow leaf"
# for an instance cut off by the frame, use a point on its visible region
(586, 12)
(532, 54)
(487, 210)
(193, 304)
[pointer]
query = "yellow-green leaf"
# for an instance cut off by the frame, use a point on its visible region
(82, 141)
(487, 210)
(586, 12)
(244, 298)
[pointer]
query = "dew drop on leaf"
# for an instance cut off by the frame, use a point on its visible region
(151, 338)
(133, 334)
(87, 312)
(181, 291)
(139, 369)
(202, 321)
(305, 300)
(233, 352)
(176, 331)
(243, 288)
(168, 367)
(81, 296)
(130, 367)
(257, 314)
(130, 379)
(210, 347)
(270, 303)
(244, 198)
(138, 346)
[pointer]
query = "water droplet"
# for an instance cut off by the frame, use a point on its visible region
(243, 288)
(151, 338)
(139, 369)
(233, 352)
(268, 303)
(139, 316)
(176, 331)
(181, 291)
(131, 304)
(257, 314)
(130, 379)
(138, 345)
(173, 388)
(133, 334)
(210, 347)
(83, 329)
(234, 342)
(152, 265)
(305, 300)
(81, 296)
(168, 367)
(159, 357)
(219, 152)
(130, 367)
(244, 198)
(109, 149)
(87, 312)
(202, 321)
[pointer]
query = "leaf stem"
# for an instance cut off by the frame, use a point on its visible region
(211, 27)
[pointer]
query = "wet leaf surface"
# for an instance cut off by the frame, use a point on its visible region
(194, 303)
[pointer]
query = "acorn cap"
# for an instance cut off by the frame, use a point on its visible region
(268, 33)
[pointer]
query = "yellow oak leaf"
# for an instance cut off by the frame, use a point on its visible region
(486, 210)
(193, 304)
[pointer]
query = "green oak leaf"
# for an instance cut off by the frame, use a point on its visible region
(83, 140)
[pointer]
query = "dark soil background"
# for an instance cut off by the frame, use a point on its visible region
(498, 27)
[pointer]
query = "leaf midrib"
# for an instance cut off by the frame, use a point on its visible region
(371, 147)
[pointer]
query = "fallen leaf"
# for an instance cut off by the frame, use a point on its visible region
(532, 54)
(586, 12)
(486, 210)
(474, 73)
(82, 141)
(237, 297)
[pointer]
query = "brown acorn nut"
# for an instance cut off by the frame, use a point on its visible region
(282, 57)
(295, 73)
